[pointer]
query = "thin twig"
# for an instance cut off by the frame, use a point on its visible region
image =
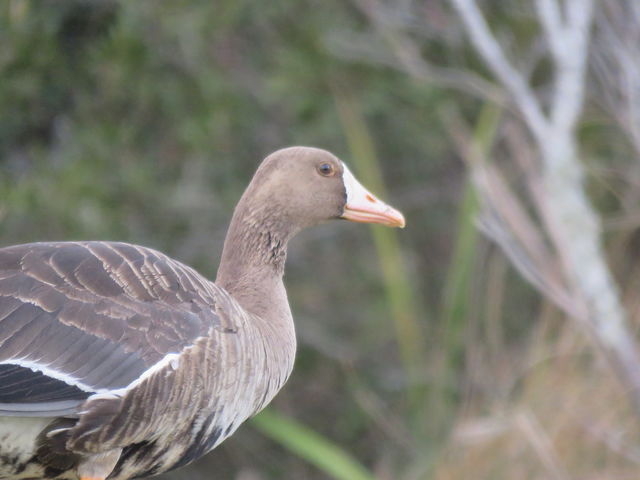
(493, 54)
(541, 443)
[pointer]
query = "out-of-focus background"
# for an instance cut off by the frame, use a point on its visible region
(494, 337)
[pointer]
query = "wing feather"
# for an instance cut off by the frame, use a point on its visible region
(78, 318)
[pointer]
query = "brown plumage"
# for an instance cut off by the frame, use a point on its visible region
(117, 361)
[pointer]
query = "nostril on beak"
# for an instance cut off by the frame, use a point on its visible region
(371, 199)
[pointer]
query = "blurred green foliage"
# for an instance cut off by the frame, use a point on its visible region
(143, 121)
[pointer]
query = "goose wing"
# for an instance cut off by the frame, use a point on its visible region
(80, 318)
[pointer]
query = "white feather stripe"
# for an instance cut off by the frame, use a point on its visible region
(52, 373)
(171, 360)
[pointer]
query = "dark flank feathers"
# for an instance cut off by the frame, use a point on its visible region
(51, 448)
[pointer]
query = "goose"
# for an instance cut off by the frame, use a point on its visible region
(117, 361)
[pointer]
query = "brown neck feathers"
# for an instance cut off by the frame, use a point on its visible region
(253, 258)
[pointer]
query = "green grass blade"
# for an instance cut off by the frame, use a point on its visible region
(459, 275)
(311, 446)
(397, 282)
(456, 305)
(455, 310)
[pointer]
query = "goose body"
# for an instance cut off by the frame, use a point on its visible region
(117, 361)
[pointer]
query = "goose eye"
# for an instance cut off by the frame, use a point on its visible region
(326, 169)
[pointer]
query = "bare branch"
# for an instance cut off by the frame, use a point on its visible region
(405, 56)
(489, 48)
(541, 443)
(615, 61)
(551, 20)
(505, 220)
(570, 55)
(571, 223)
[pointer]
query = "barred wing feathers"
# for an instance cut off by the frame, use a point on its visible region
(80, 318)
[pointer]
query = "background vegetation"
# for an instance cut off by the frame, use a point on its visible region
(423, 353)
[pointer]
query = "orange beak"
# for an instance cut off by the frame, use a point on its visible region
(363, 206)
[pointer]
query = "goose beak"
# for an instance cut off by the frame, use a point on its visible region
(363, 206)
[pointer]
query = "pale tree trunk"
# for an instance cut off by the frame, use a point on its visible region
(567, 214)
